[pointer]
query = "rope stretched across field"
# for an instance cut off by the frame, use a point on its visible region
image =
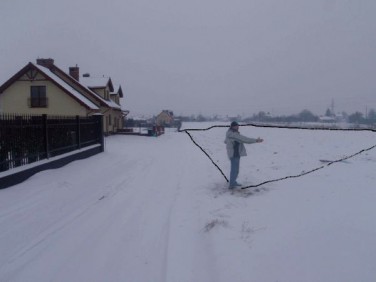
(190, 136)
(282, 127)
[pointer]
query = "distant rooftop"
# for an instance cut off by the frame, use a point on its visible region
(94, 82)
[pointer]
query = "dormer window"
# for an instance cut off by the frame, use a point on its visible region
(38, 97)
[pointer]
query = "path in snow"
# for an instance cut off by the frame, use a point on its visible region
(100, 219)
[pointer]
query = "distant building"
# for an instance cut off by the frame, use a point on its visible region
(339, 117)
(165, 118)
(327, 119)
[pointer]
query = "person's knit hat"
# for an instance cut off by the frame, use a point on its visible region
(234, 123)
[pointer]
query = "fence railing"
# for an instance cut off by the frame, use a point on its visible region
(26, 139)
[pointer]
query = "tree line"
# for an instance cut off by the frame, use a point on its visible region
(308, 116)
(303, 116)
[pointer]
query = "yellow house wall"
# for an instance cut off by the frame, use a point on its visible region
(117, 120)
(109, 114)
(106, 114)
(113, 115)
(115, 98)
(110, 124)
(15, 100)
(101, 92)
(163, 118)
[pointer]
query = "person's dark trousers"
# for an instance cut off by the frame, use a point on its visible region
(235, 163)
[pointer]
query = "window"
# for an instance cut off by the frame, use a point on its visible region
(38, 97)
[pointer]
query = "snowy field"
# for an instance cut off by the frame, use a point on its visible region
(157, 209)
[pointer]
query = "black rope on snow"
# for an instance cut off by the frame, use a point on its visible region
(281, 127)
(283, 178)
(313, 170)
(190, 136)
(203, 129)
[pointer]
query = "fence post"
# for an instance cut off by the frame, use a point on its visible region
(78, 132)
(45, 131)
(4, 164)
(99, 118)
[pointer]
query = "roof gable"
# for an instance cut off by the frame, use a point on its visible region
(66, 87)
(118, 92)
(15, 77)
(31, 70)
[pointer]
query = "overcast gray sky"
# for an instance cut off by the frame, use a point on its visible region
(205, 56)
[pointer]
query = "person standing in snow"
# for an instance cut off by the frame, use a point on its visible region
(235, 149)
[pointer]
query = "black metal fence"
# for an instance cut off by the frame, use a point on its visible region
(29, 138)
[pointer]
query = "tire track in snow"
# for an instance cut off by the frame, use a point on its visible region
(31, 249)
(189, 255)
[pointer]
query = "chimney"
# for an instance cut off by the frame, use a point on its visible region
(75, 72)
(48, 63)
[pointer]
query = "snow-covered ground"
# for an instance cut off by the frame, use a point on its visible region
(157, 209)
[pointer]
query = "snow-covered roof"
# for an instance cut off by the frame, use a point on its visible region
(113, 104)
(67, 87)
(95, 82)
(109, 103)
